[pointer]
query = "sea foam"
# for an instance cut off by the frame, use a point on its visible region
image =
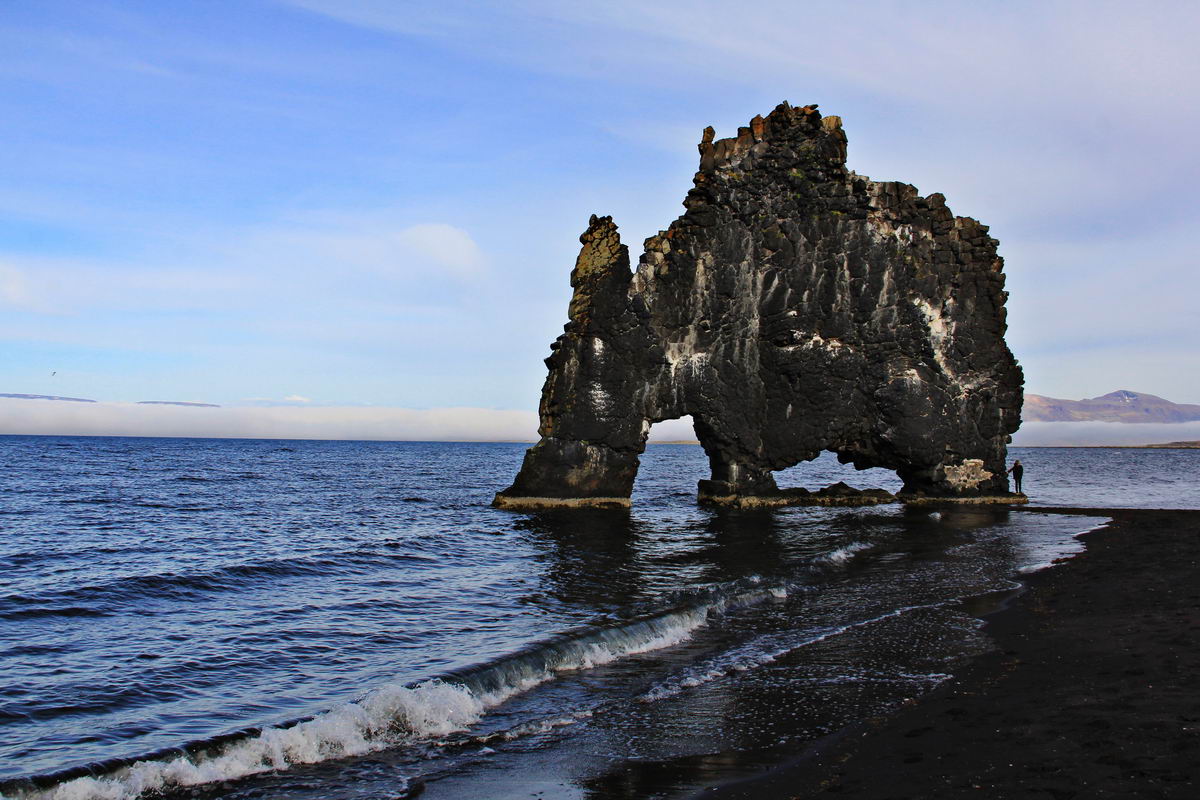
(391, 714)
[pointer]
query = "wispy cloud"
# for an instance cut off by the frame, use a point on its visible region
(1050, 122)
(14, 289)
(364, 242)
(387, 16)
(379, 201)
(444, 246)
(1017, 109)
(311, 257)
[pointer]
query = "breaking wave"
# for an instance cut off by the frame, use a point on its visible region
(844, 554)
(390, 715)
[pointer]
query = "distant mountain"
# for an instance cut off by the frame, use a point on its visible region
(176, 403)
(1120, 406)
(46, 397)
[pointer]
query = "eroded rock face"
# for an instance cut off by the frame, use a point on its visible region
(795, 307)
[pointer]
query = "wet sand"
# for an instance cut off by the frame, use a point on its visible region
(1093, 691)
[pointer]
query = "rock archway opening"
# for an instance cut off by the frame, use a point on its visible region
(825, 470)
(672, 462)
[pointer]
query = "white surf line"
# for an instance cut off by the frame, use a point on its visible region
(843, 554)
(390, 715)
(734, 662)
(1066, 555)
(395, 714)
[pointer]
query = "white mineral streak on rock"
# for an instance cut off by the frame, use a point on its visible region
(828, 344)
(596, 392)
(908, 375)
(967, 475)
(940, 332)
(685, 355)
(599, 399)
(941, 336)
(809, 340)
(887, 293)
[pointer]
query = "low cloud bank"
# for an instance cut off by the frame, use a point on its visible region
(1082, 434)
(329, 422)
(54, 418)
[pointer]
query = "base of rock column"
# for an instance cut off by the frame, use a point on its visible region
(560, 473)
(921, 499)
(503, 500)
(721, 493)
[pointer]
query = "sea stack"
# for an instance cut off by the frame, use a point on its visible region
(794, 307)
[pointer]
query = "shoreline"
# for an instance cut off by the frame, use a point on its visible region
(1092, 690)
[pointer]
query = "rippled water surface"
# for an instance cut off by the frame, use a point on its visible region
(351, 619)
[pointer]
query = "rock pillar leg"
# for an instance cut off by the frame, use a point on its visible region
(732, 482)
(593, 427)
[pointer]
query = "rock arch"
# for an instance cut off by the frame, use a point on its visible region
(795, 307)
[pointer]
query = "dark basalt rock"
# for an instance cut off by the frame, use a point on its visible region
(839, 494)
(795, 307)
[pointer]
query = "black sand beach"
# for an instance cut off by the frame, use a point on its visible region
(1093, 691)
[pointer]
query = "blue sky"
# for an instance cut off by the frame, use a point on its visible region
(377, 203)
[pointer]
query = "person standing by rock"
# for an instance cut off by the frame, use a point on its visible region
(1017, 471)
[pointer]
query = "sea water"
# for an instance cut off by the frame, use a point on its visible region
(301, 619)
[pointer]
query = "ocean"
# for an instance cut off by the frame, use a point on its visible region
(304, 619)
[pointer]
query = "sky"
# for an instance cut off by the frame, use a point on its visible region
(369, 204)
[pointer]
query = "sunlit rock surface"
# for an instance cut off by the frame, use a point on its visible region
(795, 307)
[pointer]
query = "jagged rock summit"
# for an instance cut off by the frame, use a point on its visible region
(795, 307)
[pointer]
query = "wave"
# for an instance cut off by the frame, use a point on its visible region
(52, 611)
(34, 650)
(398, 714)
(26, 557)
(390, 715)
(385, 716)
(220, 478)
(520, 731)
(760, 653)
(134, 588)
(843, 554)
(1064, 551)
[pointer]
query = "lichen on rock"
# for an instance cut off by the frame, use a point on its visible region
(967, 475)
(795, 307)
